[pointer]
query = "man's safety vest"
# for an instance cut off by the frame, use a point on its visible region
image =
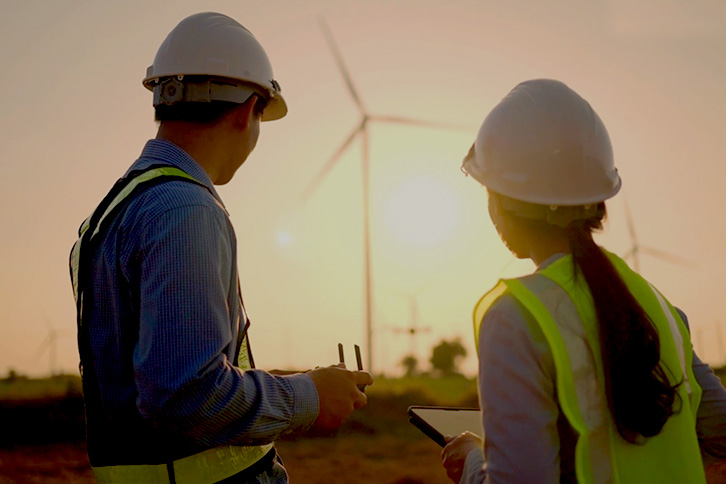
(563, 308)
(203, 467)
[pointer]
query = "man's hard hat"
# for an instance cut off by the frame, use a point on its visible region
(544, 144)
(212, 57)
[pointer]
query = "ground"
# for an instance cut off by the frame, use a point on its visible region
(41, 440)
(347, 459)
(41, 437)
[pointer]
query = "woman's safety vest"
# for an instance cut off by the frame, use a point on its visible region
(208, 466)
(564, 310)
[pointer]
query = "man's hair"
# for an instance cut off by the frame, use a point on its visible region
(202, 112)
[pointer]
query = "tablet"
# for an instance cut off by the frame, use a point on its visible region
(437, 422)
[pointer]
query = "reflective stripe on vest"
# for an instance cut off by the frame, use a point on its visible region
(210, 466)
(120, 197)
(205, 467)
(564, 311)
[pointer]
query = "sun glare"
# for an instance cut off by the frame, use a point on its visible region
(284, 238)
(422, 212)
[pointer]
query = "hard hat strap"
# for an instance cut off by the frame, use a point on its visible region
(177, 89)
(559, 215)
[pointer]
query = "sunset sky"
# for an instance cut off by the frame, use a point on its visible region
(74, 115)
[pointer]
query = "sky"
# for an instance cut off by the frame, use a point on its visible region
(74, 116)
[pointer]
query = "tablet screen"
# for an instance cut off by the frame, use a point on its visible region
(437, 422)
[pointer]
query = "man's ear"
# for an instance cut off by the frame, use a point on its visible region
(243, 113)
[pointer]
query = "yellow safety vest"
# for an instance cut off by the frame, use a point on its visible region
(564, 310)
(206, 467)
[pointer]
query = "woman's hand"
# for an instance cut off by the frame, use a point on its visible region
(454, 454)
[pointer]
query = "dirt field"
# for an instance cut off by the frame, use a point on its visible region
(41, 442)
(42, 434)
(49, 463)
(349, 460)
(363, 460)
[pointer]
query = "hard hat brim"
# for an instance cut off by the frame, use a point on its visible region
(276, 108)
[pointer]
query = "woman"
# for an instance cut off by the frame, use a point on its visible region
(587, 373)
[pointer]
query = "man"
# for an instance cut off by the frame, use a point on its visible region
(169, 388)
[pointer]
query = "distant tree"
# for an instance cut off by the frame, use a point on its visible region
(410, 363)
(445, 356)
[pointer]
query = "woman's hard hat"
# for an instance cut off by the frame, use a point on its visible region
(211, 57)
(544, 144)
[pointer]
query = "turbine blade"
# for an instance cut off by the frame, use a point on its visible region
(631, 226)
(420, 122)
(341, 65)
(331, 163)
(42, 347)
(45, 318)
(674, 259)
(506, 266)
(401, 294)
(420, 289)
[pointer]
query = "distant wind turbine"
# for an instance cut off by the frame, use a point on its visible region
(50, 344)
(413, 329)
(361, 130)
(636, 248)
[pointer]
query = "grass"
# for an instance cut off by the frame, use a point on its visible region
(446, 390)
(450, 391)
(47, 411)
(20, 388)
(453, 391)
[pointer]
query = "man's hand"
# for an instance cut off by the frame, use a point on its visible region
(454, 454)
(338, 394)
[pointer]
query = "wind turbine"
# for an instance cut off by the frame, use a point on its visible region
(50, 344)
(361, 130)
(413, 329)
(636, 248)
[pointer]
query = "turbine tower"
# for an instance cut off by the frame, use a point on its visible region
(361, 130)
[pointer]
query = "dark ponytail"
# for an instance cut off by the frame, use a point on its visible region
(640, 396)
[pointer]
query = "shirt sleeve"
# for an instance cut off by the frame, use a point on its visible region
(474, 468)
(518, 402)
(186, 383)
(711, 416)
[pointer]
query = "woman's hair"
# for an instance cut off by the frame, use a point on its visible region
(639, 393)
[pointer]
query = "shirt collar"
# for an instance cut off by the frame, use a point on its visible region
(161, 151)
(551, 260)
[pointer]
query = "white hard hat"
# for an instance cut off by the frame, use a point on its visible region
(225, 62)
(544, 144)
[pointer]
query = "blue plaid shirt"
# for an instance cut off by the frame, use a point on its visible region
(165, 320)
